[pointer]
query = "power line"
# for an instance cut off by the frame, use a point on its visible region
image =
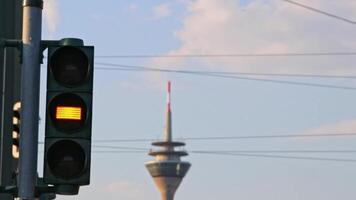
(228, 55)
(115, 152)
(276, 156)
(281, 151)
(233, 137)
(235, 153)
(243, 137)
(139, 68)
(140, 150)
(201, 73)
(120, 147)
(135, 150)
(219, 153)
(320, 11)
(273, 136)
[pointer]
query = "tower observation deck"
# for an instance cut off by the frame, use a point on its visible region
(167, 170)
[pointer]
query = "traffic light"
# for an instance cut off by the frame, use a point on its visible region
(16, 130)
(68, 113)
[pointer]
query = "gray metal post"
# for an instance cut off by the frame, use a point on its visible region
(30, 85)
(5, 145)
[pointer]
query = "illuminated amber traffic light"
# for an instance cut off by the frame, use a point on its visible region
(69, 114)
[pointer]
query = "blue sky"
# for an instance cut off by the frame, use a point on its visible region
(131, 104)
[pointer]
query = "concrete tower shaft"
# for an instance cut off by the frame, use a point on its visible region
(168, 186)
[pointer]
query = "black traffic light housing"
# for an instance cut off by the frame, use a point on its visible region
(69, 113)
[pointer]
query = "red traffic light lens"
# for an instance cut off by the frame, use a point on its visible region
(70, 66)
(66, 159)
(68, 112)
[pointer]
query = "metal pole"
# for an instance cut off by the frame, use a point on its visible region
(6, 164)
(3, 91)
(30, 85)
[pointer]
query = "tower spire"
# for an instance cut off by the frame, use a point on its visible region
(168, 126)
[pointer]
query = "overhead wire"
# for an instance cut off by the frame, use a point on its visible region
(211, 74)
(140, 150)
(320, 11)
(283, 151)
(222, 75)
(242, 137)
(217, 153)
(140, 68)
(312, 54)
(276, 156)
(119, 152)
(251, 154)
(271, 136)
(119, 147)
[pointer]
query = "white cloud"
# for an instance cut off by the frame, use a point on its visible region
(345, 126)
(224, 27)
(132, 7)
(125, 189)
(161, 11)
(51, 16)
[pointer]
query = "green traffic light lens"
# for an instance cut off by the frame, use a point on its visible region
(66, 159)
(70, 66)
(68, 112)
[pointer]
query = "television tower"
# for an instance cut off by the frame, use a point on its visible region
(167, 169)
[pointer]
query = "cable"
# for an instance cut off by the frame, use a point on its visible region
(245, 155)
(229, 152)
(276, 156)
(120, 147)
(221, 138)
(320, 11)
(228, 55)
(271, 136)
(217, 138)
(284, 151)
(232, 137)
(144, 69)
(140, 152)
(122, 140)
(235, 151)
(232, 73)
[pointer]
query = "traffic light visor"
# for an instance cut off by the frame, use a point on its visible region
(68, 112)
(70, 66)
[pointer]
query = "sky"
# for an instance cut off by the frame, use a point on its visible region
(131, 104)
